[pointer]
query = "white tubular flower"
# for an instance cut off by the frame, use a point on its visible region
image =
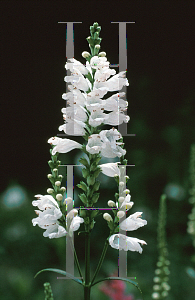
(125, 204)
(78, 81)
(73, 221)
(76, 65)
(75, 225)
(73, 125)
(116, 118)
(122, 242)
(110, 169)
(48, 216)
(94, 144)
(75, 112)
(74, 97)
(110, 147)
(115, 83)
(99, 63)
(103, 74)
(133, 222)
(115, 103)
(63, 145)
(97, 117)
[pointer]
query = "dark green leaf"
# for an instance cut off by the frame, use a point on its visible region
(60, 272)
(82, 185)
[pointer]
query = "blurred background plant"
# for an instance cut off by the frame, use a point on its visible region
(191, 223)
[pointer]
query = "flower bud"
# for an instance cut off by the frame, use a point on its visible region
(97, 46)
(59, 197)
(49, 176)
(63, 189)
(107, 217)
(102, 54)
(121, 199)
(67, 200)
(111, 203)
(127, 191)
(120, 214)
(85, 54)
(128, 206)
(50, 191)
(55, 170)
(57, 183)
(121, 183)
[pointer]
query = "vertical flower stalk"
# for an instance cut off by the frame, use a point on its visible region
(161, 287)
(85, 114)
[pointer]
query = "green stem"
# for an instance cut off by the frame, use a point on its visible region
(101, 260)
(77, 261)
(87, 285)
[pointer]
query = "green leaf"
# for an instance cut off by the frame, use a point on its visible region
(84, 162)
(82, 185)
(97, 172)
(60, 272)
(90, 180)
(51, 164)
(120, 278)
(96, 186)
(95, 197)
(85, 172)
(83, 198)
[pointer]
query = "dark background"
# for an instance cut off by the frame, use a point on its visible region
(161, 94)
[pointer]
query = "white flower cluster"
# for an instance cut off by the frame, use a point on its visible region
(49, 214)
(85, 99)
(133, 222)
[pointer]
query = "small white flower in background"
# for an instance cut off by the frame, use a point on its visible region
(48, 216)
(133, 222)
(63, 145)
(123, 242)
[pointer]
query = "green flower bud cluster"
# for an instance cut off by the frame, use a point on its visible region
(57, 191)
(161, 287)
(48, 291)
(90, 172)
(94, 40)
(191, 216)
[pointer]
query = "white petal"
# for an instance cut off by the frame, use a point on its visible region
(110, 169)
(75, 224)
(63, 145)
(133, 222)
(120, 241)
